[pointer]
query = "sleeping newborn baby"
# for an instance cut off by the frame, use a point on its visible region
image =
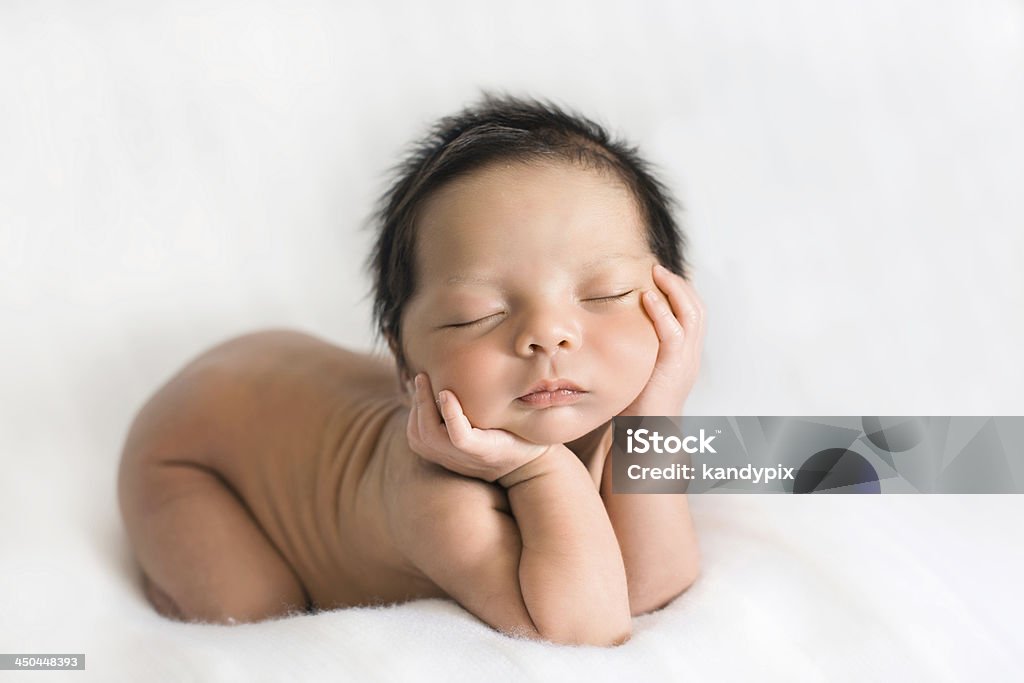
(528, 279)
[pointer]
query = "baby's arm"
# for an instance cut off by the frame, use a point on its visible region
(571, 571)
(658, 543)
(655, 532)
(552, 571)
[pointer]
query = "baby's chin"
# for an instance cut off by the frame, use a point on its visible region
(555, 425)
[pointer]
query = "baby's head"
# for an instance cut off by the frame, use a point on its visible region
(513, 246)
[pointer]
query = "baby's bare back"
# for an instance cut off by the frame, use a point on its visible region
(309, 437)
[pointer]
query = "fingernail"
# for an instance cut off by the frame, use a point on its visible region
(417, 381)
(442, 397)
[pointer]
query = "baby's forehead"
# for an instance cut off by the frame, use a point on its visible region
(540, 209)
(508, 216)
(465, 259)
(550, 172)
(499, 275)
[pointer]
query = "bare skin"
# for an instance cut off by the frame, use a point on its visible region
(266, 419)
(277, 473)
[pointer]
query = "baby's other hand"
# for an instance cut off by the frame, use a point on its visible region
(679, 319)
(441, 433)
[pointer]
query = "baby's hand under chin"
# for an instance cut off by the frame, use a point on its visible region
(441, 433)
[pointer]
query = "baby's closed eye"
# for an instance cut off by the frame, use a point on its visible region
(612, 298)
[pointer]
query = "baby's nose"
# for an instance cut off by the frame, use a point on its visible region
(548, 334)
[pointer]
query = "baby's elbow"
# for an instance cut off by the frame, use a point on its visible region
(611, 635)
(653, 598)
(565, 626)
(623, 637)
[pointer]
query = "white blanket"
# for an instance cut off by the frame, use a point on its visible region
(173, 174)
(808, 588)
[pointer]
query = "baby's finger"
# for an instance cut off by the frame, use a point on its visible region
(698, 302)
(698, 329)
(460, 431)
(697, 317)
(670, 331)
(428, 419)
(412, 427)
(679, 295)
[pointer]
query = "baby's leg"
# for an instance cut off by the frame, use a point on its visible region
(203, 556)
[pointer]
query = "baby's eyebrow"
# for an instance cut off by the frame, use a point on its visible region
(583, 268)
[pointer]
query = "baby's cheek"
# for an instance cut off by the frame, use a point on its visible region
(638, 344)
(472, 377)
(632, 358)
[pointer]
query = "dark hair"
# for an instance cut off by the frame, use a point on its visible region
(501, 128)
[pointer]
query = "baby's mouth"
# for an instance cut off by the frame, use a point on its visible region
(552, 393)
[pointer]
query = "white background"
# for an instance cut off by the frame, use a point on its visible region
(172, 174)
